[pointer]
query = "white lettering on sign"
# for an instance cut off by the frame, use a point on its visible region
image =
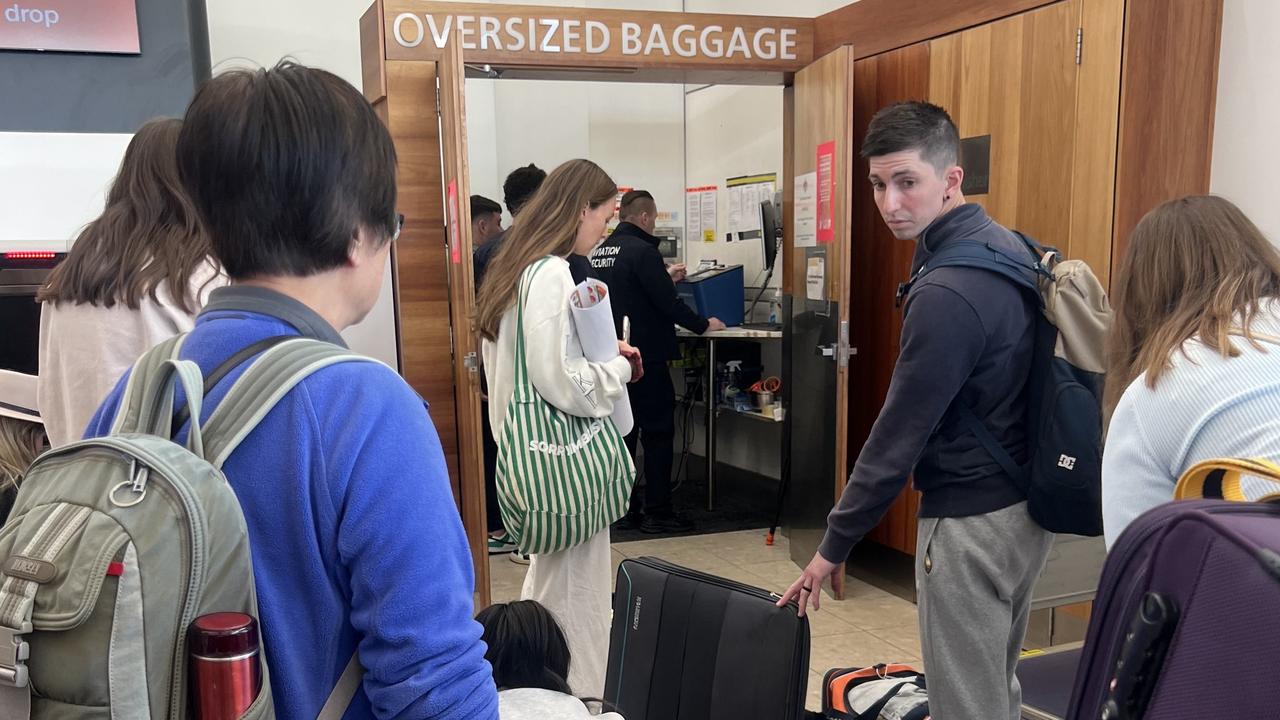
(397, 29)
(489, 27)
(630, 38)
(595, 37)
(572, 36)
(34, 16)
(513, 30)
(551, 26)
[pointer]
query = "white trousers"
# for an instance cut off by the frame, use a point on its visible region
(575, 585)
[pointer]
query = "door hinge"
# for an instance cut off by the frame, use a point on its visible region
(438, 113)
(471, 362)
(1079, 44)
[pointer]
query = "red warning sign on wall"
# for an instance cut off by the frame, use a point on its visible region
(826, 192)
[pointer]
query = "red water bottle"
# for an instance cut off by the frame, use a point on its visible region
(226, 671)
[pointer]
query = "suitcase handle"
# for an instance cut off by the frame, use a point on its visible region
(1138, 665)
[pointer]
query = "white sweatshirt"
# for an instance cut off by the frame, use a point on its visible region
(538, 704)
(557, 368)
(1205, 406)
(85, 349)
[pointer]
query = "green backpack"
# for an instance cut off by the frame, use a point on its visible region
(116, 544)
(561, 478)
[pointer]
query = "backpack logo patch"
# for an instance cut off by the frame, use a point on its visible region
(1066, 462)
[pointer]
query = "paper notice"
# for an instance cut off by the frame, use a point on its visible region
(709, 214)
(816, 279)
(693, 213)
(593, 317)
(806, 210)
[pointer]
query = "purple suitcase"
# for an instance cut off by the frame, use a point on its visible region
(1186, 623)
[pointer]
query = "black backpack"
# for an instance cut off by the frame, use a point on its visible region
(1062, 479)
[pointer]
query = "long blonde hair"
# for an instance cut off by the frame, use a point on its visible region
(1196, 267)
(547, 225)
(20, 443)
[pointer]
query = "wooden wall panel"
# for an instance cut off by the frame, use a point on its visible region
(421, 260)
(1093, 182)
(1167, 106)
(1029, 58)
(880, 262)
(877, 26)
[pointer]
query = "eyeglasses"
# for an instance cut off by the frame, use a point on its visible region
(395, 234)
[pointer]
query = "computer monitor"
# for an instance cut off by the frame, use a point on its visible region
(770, 234)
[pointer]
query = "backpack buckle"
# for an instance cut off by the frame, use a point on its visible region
(14, 651)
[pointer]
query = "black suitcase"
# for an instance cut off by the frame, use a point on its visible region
(690, 646)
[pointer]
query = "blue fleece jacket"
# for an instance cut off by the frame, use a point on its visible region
(355, 537)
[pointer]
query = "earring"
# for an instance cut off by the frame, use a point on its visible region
(946, 198)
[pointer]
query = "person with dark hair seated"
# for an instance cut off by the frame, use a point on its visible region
(530, 659)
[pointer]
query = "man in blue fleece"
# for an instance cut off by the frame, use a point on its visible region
(357, 545)
(966, 341)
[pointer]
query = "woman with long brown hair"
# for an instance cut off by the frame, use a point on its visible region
(567, 214)
(1194, 352)
(135, 276)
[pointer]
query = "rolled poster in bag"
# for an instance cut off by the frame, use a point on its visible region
(593, 317)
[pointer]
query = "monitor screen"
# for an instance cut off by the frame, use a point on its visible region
(769, 236)
(101, 26)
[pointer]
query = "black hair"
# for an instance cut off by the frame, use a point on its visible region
(914, 125)
(526, 647)
(284, 166)
(520, 185)
(631, 197)
(481, 205)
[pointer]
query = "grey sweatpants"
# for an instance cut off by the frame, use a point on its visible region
(974, 577)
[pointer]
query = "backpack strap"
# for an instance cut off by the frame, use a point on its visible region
(873, 710)
(147, 403)
(985, 256)
(345, 689)
(992, 446)
(262, 385)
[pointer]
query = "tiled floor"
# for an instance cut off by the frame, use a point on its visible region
(868, 627)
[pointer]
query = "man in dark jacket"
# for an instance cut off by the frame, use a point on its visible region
(519, 186)
(966, 341)
(641, 289)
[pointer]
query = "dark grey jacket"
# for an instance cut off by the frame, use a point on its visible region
(967, 336)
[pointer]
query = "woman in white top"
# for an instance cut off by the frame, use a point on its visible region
(568, 214)
(1194, 353)
(530, 660)
(135, 276)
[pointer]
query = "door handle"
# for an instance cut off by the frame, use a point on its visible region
(826, 351)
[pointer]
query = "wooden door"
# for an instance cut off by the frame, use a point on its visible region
(820, 104)
(1041, 91)
(422, 105)
(466, 344)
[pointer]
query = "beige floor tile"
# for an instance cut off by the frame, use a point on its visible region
(781, 573)
(822, 624)
(855, 649)
(873, 613)
(906, 637)
(813, 698)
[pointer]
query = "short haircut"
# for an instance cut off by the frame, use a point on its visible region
(636, 201)
(284, 166)
(914, 125)
(481, 205)
(520, 185)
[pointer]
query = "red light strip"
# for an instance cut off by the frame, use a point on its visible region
(30, 255)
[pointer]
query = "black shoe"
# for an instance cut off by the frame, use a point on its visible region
(667, 522)
(631, 521)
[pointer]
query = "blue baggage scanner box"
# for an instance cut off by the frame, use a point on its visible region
(717, 292)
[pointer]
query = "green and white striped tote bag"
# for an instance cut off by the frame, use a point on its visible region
(561, 478)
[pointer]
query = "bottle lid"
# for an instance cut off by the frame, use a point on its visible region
(223, 635)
